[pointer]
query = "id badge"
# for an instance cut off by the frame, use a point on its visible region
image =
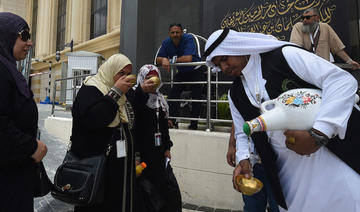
(120, 148)
(157, 137)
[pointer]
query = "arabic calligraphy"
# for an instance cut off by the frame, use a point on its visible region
(275, 17)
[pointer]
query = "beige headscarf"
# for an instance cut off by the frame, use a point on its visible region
(104, 80)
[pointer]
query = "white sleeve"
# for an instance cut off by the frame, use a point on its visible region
(242, 147)
(338, 89)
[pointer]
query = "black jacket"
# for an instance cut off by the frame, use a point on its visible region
(145, 128)
(92, 113)
(18, 127)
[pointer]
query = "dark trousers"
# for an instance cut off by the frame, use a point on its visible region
(258, 201)
(196, 90)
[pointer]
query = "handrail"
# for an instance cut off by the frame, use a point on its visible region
(208, 101)
(69, 78)
(73, 88)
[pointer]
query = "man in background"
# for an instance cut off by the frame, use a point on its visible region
(319, 38)
(179, 47)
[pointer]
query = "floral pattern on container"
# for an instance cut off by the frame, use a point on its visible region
(299, 99)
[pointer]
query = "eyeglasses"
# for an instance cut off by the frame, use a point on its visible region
(307, 17)
(24, 35)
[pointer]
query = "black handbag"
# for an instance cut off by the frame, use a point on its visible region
(80, 181)
(43, 185)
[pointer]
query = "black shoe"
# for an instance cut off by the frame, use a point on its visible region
(192, 127)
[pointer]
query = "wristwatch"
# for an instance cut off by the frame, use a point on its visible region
(320, 140)
(115, 93)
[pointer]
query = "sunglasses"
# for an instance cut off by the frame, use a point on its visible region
(24, 35)
(307, 17)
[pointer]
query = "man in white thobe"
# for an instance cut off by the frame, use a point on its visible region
(311, 176)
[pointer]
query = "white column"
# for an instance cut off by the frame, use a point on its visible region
(46, 28)
(114, 14)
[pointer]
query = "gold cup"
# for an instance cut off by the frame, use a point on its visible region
(156, 80)
(133, 80)
(248, 186)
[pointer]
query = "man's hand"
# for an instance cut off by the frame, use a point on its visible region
(165, 63)
(244, 167)
(40, 152)
(124, 83)
(230, 156)
(355, 65)
(300, 141)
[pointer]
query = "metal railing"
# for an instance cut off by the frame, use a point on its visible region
(208, 120)
(73, 88)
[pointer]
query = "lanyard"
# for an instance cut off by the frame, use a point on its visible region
(312, 38)
(258, 94)
(157, 116)
(258, 98)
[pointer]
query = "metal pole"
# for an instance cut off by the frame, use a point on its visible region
(49, 90)
(53, 102)
(217, 95)
(171, 76)
(74, 91)
(208, 103)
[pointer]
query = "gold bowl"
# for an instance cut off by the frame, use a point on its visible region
(248, 186)
(156, 80)
(133, 80)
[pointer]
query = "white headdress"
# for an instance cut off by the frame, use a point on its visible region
(240, 43)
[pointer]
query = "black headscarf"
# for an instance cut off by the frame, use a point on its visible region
(10, 26)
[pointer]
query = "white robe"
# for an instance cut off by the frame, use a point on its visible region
(321, 182)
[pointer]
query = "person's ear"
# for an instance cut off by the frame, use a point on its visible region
(317, 18)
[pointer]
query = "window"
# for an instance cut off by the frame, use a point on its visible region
(33, 26)
(79, 80)
(61, 21)
(98, 18)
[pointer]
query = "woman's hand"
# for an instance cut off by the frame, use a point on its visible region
(40, 152)
(148, 86)
(167, 154)
(124, 83)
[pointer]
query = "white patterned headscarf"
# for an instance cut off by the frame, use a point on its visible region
(241, 43)
(104, 80)
(155, 100)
